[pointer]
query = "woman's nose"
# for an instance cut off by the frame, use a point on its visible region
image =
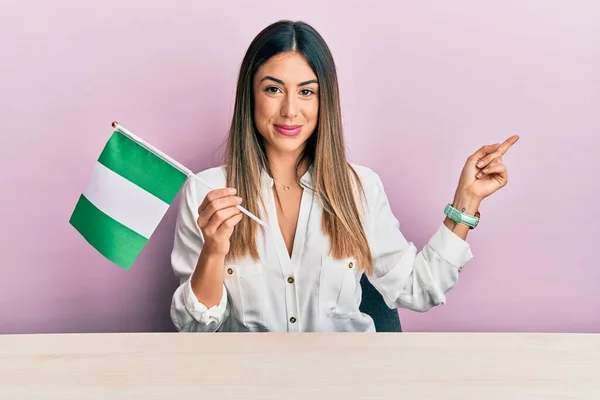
(289, 108)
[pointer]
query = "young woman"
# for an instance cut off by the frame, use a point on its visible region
(330, 220)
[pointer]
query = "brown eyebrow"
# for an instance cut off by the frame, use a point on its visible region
(308, 82)
(282, 83)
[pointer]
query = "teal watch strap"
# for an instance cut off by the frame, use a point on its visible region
(460, 217)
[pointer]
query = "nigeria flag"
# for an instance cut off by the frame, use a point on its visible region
(126, 197)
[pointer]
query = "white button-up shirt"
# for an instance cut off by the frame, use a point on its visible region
(310, 291)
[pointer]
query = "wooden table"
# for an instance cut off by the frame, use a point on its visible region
(300, 366)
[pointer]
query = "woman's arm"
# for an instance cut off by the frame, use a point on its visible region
(200, 245)
(406, 277)
(419, 280)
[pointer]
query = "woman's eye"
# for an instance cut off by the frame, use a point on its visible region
(272, 89)
(306, 92)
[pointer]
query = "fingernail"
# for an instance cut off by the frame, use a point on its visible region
(479, 175)
(232, 191)
(239, 199)
(480, 164)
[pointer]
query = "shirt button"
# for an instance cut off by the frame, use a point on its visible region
(351, 264)
(292, 320)
(229, 271)
(290, 280)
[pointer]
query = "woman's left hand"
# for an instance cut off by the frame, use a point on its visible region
(484, 173)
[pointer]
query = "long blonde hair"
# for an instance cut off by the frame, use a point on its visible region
(338, 193)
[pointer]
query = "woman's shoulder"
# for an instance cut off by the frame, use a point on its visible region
(368, 177)
(205, 181)
(372, 187)
(216, 177)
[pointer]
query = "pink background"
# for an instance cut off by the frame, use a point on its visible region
(422, 87)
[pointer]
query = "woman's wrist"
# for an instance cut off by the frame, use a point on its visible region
(464, 203)
(208, 259)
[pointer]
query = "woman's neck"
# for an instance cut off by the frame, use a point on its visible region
(283, 167)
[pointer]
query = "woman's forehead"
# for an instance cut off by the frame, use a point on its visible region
(291, 68)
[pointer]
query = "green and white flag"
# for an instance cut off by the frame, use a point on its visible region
(128, 193)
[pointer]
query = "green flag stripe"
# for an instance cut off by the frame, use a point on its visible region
(142, 167)
(113, 240)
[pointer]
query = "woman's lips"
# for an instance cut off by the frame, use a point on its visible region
(288, 130)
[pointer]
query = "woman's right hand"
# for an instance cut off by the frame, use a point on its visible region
(217, 216)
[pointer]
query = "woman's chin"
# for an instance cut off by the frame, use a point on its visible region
(287, 145)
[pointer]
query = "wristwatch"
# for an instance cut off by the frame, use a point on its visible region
(459, 217)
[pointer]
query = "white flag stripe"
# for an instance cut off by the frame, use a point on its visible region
(124, 201)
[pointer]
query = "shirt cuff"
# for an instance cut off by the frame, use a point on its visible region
(199, 311)
(451, 247)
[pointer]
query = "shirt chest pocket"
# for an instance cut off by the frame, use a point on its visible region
(247, 289)
(337, 288)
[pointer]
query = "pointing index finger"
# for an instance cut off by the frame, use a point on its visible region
(508, 143)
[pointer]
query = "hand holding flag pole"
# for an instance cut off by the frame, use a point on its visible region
(130, 188)
(183, 169)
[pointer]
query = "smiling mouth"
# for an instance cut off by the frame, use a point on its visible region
(288, 130)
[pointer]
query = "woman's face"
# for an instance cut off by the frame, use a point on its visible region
(286, 99)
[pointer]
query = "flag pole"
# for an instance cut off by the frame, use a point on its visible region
(183, 169)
